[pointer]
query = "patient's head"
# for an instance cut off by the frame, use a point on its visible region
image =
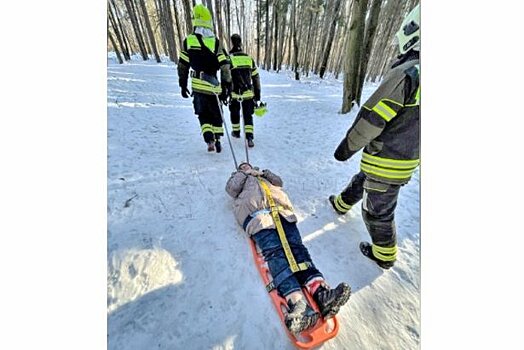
(244, 166)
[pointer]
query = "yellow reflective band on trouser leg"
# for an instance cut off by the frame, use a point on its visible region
(393, 174)
(281, 234)
(218, 130)
(384, 253)
(249, 128)
(383, 110)
(236, 127)
(206, 127)
(341, 205)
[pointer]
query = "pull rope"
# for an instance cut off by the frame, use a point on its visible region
(227, 132)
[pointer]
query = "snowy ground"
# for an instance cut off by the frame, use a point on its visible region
(180, 273)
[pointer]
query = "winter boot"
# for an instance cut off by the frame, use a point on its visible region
(366, 249)
(300, 316)
(235, 134)
(211, 146)
(332, 199)
(330, 300)
(250, 143)
(218, 146)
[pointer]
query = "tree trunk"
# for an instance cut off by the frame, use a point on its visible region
(119, 36)
(178, 27)
(150, 31)
(170, 35)
(187, 11)
(258, 32)
(295, 42)
(125, 37)
(118, 56)
(267, 50)
(136, 28)
(354, 53)
(329, 41)
(275, 37)
(371, 27)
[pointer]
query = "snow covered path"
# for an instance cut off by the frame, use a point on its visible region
(180, 273)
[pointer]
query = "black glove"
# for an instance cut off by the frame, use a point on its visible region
(185, 92)
(225, 95)
(342, 152)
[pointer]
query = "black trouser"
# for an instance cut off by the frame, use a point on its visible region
(207, 109)
(248, 107)
(378, 207)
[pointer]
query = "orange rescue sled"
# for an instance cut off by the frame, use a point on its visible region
(322, 331)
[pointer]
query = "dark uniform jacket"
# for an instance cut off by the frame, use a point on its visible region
(205, 56)
(388, 127)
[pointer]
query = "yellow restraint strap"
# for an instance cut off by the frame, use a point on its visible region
(281, 234)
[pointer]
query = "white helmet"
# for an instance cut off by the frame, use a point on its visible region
(409, 33)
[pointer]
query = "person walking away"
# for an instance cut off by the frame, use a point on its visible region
(246, 89)
(203, 53)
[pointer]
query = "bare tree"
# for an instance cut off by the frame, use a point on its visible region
(354, 54)
(149, 30)
(136, 27)
(110, 36)
(329, 41)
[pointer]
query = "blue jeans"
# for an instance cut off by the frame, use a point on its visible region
(269, 242)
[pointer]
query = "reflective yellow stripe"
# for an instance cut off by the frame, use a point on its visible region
(384, 111)
(202, 85)
(194, 44)
(206, 127)
(341, 205)
(236, 127)
(241, 62)
(222, 57)
(255, 72)
(393, 101)
(218, 129)
(390, 163)
(384, 253)
(387, 174)
(184, 56)
(249, 128)
(281, 234)
(246, 95)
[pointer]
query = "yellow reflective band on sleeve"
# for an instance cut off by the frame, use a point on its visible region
(236, 127)
(245, 96)
(341, 205)
(241, 62)
(390, 163)
(255, 72)
(383, 110)
(281, 234)
(221, 58)
(384, 253)
(184, 56)
(202, 85)
(387, 174)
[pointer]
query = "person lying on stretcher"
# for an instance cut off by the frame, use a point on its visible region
(252, 212)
